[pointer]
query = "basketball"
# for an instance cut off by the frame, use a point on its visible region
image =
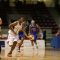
(18, 42)
(31, 37)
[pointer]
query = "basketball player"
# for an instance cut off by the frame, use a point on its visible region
(22, 36)
(13, 37)
(34, 30)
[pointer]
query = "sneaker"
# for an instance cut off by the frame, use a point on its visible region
(9, 55)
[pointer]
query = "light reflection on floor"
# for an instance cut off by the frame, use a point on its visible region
(47, 55)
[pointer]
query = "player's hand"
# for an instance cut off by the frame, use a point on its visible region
(31, 37)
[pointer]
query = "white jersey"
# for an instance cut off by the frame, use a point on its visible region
(17, 28)
(11, 36)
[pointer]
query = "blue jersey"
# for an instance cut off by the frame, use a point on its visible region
(21, 35)
(34, 30)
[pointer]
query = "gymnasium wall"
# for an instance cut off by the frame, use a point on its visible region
(49, 3)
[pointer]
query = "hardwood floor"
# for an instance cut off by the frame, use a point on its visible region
(47, 55)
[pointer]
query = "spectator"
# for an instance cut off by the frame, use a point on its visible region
(58, 33)
(0, 27)
(55, 42)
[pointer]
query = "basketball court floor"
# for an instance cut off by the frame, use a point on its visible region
(49, 55)
(27, 53)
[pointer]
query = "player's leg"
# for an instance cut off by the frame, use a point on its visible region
(35, 40)
(19, 44)
(12, 43)
(36, 44)
(32, 42)
(21, 37)
(12, 48)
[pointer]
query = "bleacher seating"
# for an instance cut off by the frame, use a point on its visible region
(39, 12)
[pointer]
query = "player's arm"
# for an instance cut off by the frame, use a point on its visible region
(11, 26)
(24, 29)
(40, 33)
